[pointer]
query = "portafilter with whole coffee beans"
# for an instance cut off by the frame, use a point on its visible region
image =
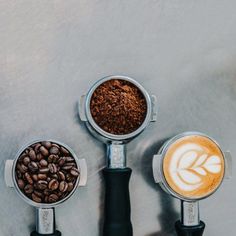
(45, 173)
(115, 110)
(191, 166)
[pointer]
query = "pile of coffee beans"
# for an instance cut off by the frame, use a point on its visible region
(46, 172)
(118, 107)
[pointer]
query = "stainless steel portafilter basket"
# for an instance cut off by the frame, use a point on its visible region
(117, 175)
(45, 212)
(190, 223)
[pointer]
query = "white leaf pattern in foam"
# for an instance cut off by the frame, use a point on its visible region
(189, 177)
(200, 160)
(188, 164)
(187, 159)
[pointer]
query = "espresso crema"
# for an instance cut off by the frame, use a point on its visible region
(193, 166)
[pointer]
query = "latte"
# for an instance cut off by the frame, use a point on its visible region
(193, 166)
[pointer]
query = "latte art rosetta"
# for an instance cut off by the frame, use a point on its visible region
(190, 166)
(193, 166)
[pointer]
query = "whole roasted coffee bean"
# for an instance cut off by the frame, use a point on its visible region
(32, 155)
(28, 178)
(22, 168)
(26, 161)
(63, 186)
(44, 151)
(47, 144)
(43, 163)
(35, 177)
(74, 171)
(53, 198)
(33, 167)
(49, 177)
(21, 183)
(39, 194)
(29, 188)
(70, 186)
(42, 184)
(52, 168)
(54, 150)
(40, 156)
(53, 184)
(36, 147)
(44, 170)
(61, 175)
(36, 198)
(61, 161)
(42, 176)
(69, 159)
(64, 151)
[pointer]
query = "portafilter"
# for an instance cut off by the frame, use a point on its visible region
(117, 200)
(45, 212)
(191, 166)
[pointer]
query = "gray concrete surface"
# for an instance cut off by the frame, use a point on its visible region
(51, 52)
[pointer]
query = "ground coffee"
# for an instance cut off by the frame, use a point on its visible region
(118, 107)
(46, 172)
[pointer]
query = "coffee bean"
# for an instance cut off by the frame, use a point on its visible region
(61, 161)
(39, 194)
(53, 158)
(63, 186)
(54, 176)
(53, 198)
(70, 186)
(43, 163)
(18, 174)
(43, 170)
(36, 198)
(47, 191)
(74, 171)
(66, 167)
(32, 155)
(55, 145)
(33, 166)
(64, 151)
(22, 168)
(43, 150)
(29, 188)
(35, 177)
(42, 184)
(40, 156)
(36, 147)
(54, 150)
(47, 144)
(52, 168)
(26, 161)
(61, 175)
(70, 159)
(70, 177)
(28, 178)
(21, 183)
(46, 199)
(53, 184)
(42, 176)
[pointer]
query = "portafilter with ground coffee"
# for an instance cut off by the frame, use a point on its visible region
(115, 110)
(45, 173)
(191, 166)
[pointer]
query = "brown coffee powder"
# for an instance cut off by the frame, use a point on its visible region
(118, 107)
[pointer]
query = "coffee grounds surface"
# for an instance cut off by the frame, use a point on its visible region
(118, 107)
(46, 172)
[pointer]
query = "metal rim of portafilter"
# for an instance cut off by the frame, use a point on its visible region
(190, 223)
(117, 202)
(45, 212)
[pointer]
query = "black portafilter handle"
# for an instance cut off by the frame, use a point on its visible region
(117, 202)
(183, 230)
(56, 233)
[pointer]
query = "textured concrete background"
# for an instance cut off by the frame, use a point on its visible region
(51, 52)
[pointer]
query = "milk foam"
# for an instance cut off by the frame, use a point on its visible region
(190, 166)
